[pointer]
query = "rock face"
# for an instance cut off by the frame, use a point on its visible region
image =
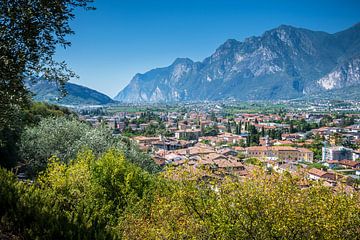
(283, 63)
(46, 91)
(344, 75)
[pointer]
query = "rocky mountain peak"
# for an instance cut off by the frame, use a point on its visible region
(183, 61)
(284, 62)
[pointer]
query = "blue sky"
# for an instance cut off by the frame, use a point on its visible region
(125, 37)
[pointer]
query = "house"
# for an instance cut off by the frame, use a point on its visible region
(227, 152)
(229, 165)
(291, 136)
(145, 140)
(286, 167)
(215, 156)
(171, 144)
(356, 154)
(195, 151)
(121, 125)
(305, 155)
(316, 174)
(282, 142)
(183, 126)
(349, 164)
(133, 126)
(331, 164)
(188, 134)
(240, 149)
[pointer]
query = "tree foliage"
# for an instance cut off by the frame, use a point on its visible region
(64, 138)
(262, 207)
(85, 199)
(109, 198)
(28, 116)
(30, 31)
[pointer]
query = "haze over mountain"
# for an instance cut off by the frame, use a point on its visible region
(76, 94)
(283, 63)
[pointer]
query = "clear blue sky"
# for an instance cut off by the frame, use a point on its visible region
(125, 37)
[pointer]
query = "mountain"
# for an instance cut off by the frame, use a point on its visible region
(283, 63)
(76, 95)
(344, 75)
(345, 93)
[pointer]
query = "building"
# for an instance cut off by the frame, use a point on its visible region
(281, 152)
(172, 144)
(316, 174)
(146, 140)
(349, 164)
(188, 134)
(336, 153)
(227, 152)
(229, 165)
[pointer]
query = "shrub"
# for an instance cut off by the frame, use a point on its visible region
(262, 207)
(110, 198)
(84, 199)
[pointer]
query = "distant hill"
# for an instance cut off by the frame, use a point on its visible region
(47, 91)
(283, 63)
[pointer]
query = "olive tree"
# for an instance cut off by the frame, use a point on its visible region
(53, 136)
(65, 138)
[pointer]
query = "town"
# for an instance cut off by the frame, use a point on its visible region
(318, 145)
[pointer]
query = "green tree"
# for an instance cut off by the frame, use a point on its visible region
(85, 199)
(30, 31)
(53, 136)
(64, 138)
(261, 207)
(228, 127)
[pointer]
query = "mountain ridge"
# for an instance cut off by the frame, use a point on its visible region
(282, 63)
(48, 91)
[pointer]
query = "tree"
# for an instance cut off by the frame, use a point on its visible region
(30, 31)
(213, 117)
(29, 116)
(292, 130)
(211, 131)
(85, 199)
(110, 198)
(262, 131)
(228, 127)
(53, 136)
(262, 207)
(65, 138)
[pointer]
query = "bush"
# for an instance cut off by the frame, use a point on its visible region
(110, 198)
(253, 161)
(84, 199)
(262, 207)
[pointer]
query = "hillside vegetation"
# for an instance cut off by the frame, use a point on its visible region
(107, 197)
